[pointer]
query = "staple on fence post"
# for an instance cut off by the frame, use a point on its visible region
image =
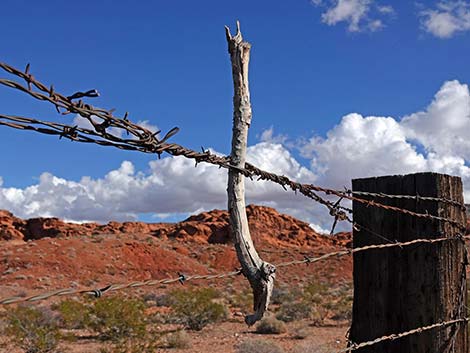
(406, 288)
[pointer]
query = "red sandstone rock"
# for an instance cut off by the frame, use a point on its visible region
(10, 226)
(267, 226)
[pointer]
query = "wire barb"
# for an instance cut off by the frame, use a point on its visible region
(182, 278)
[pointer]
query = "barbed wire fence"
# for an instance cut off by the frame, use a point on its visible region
(139, 138)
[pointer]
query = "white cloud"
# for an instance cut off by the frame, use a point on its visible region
(171, 185)
(269, 136)
(147, 125)
(387, 9)
(447, 18)
(319, 229)
(436, 139)
(360, 15)
(444, 127)
(84, 123)
(357, 147)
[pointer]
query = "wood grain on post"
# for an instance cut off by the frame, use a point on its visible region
(400, 289)
(260, 274)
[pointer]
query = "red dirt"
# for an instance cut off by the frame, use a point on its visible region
(45, 253)
(41, 254)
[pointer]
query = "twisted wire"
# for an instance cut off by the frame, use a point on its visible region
(183, 278)
(147, 142)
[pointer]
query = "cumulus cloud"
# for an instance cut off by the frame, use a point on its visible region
(171, 185)
(435, 139)
(360, 15)
(444, 127)
(269, 136)
(447, 18)
(360, 145)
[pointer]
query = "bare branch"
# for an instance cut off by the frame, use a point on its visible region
(260, 274)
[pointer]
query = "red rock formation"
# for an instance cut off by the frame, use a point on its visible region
(267, 226)
(10, 226)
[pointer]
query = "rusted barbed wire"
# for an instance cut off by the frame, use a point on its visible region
(99, 118)
(395, 336)
(337, 211)
(74, 133)
(114, 287)
(340, 253)
(185, 278)
(408, 197)
(146, 141)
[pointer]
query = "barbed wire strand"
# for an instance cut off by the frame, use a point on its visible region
(183, 278)
(395, 336)
(148, 143)
(143, 137)
(408, 197)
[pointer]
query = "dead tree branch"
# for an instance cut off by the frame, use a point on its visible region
(260, 274)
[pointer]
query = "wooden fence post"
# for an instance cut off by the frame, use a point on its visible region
(400, 289)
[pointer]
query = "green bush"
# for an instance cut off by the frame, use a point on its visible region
(271, 325)
(73, 313)
(242, 300)
(259, 346)
(292, 311)
(196, 308)
(34, 330)
(115, 318)
(315, 292)
(328, 301)
(284, 294)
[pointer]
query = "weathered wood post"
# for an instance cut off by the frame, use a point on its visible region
(400, 289)
(259, 273)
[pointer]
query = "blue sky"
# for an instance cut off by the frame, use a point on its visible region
(313, 63)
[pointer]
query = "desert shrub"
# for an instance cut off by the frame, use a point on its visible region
(300, 333)
(270, 325)
(325, 301)
(315, 292)
(116, 317)
(196, 308)
(179, 339)
(319, 314)
(259, 346)
(73, 314)
(157, 299)
(242, 300)
(284, 294)
(34, 330)
(312, 347)
(145, 344)
(342, 308)
(292, 311)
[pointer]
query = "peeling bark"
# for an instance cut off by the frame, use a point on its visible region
(259, 273)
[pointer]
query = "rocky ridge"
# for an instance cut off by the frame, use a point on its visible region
(266, 225)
